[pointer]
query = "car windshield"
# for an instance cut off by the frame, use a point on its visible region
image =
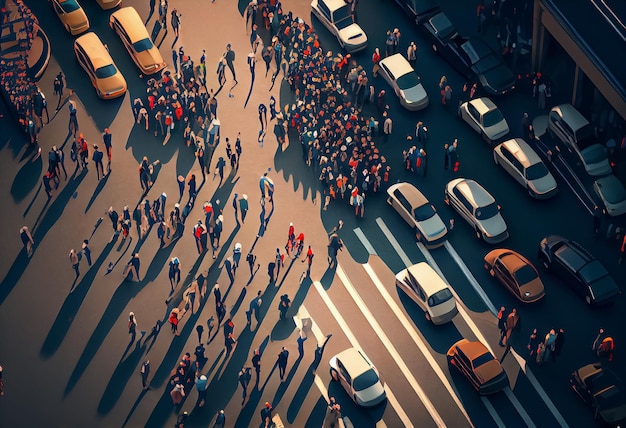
(440, 297)
(536, 171)
(366, 380)
(408, 81)
(424, 212)
(70, 6)
(342, 17)
(106, 71)
(483, 213)
(482, 359)
(525, 274)
(492, 117)
(143, 45)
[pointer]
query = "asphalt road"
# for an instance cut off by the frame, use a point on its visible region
(71, 344)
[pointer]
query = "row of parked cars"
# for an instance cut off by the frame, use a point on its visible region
(93, 55)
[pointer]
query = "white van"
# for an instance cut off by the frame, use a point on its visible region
(431, 293)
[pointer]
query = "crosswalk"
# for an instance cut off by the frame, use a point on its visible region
(409, 360)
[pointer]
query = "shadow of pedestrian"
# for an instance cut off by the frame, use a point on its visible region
(26, 179)
(283, 329)
(97, 191)
(156, 264)
(135, 405)
(71, 305)
(327, 279)
(32, 202)
(280, 392)
(119, 379)
(302, 391)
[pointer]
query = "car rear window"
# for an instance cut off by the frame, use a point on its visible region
(365, 380)
(536, 171)
(69, 6)
(440, 297)
(492, 118)
(489, 211)
(408, 81)
(106, 71)
(143, 45)
(482, 359)
(424, 212)
(525, 274)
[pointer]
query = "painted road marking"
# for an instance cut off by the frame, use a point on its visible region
(520, 409)
(405, 259)
(492, 411)
(521, 362)
(409, 327)
(390, 348)
(474, 283)
(355, 343)
(320, 385)
(369, 247)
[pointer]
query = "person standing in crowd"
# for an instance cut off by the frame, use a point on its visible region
(513, 325)
(243, 205)
(175, 21)
(229, 56)
(533, 342)
(308, 258)
(132, 326)
(73, 123)
(27, 240)
(501, 325)
(107, 137)
(97, 159)
(87, 251)
(244, 380)
(145, 373)
(256, 363)
(283, 356)
(75, 261)
(174, 273)
(283, 306)
(411, 54)
(59, 84)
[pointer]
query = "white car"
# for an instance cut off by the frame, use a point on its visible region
(612, 193)
(518, 159)
(485, 118)
(358, 376)
(420, 214)
(405, 82)
(478, 208)
(337, 18)
(575, 131)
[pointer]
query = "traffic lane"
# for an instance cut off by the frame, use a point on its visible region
(358, 327)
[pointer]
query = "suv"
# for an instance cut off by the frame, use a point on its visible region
(358, 376)
(485, 118)
(478, 208)
(579, 269)
(571, 127)
(337, 17)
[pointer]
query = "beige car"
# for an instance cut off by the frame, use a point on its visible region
(479, 366)
(516, 273)
(129, 26)
(109, 4)
(94, 57)
(71, 15)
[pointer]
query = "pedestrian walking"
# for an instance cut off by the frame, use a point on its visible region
(549, 346)
(283, 355)
(256, 363)
(201, 164)
(177, 394)
(597, 219)
(513, 325)
(199, 330)
(75, 261)
(230, 343)
(245, 374)
(236, 257)
(202, 385)
(145, 373)
(308, 258)
(229, 56)
(220, 309)
(558, 344)
(86, 251)
(108, 146)
(132, 268)
(200, 235)
(209, 324)
(266, 414)
(97, 157)
(533, 342)
(59, 84)
(334, 245)
(217, 293)
(236, 207)
(302, 337)
(193, 190)
(251, 259)
(452, 156)
(173, 320)
(501, 325)
(72, 125)
(597, 341)
(60, 156)
(411, 54)
(83, 151)
(228, 266)
(283, 306)
(243, 205)
(220, 421)
(132, 326)
(174, 273)
(27, 240)
(175, 22)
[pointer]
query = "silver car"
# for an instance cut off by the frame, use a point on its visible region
(420, 214)
(482, 115)
(397, 71)
(358, 376)
(478, 208)
(518, 159)
(337, 18)
(611, 190)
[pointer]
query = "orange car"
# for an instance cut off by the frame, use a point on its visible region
(517, 274)
(479, 366)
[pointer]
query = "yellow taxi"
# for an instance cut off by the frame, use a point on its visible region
(94, 57)
(109, 4)
(71, 15)
(129, 27)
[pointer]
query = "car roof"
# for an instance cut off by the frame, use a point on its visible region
(427, 278)
(398, 64)
(571, 116)
(571, 256)
(354, 361)
(93, 47)
(512, 260)
(522, 152)
(474, 193)
(441, 25)
(333, 5)
(132, 23)
(612, 189)
(410, 193)
(483, 105)
(471, 350)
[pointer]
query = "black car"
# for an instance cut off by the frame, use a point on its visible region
(470, 56)
(579, 269)
(599, 388)
(419, 10)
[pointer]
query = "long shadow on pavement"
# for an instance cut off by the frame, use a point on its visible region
(120, 299)
(71, 305)
(26, 179)
(39, 232)
(97, 191)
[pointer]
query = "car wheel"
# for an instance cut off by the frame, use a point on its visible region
(334, 376)
(479, 234)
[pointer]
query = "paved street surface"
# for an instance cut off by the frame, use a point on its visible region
(66, 355)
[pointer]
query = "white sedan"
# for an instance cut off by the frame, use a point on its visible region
(420, 214)
(405, 82)
(613, 195)
(337, 18)
(485, 118)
